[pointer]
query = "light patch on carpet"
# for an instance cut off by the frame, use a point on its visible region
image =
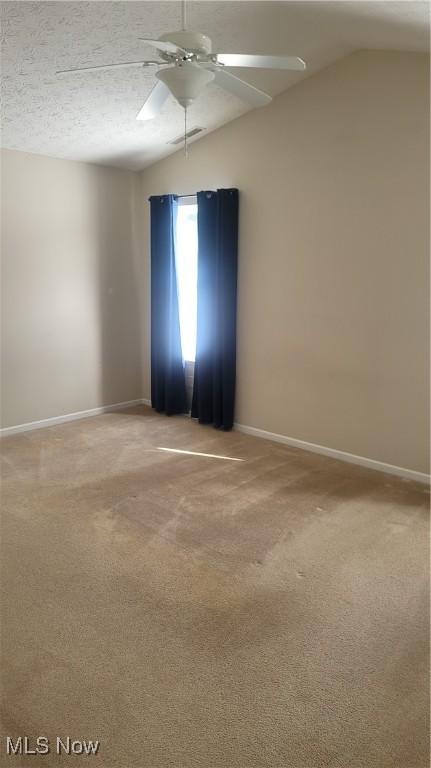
(196, 453)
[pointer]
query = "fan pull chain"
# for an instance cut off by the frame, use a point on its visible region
(186, 149)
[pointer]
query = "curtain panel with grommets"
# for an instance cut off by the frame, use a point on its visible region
(215, 366)
(168, 386)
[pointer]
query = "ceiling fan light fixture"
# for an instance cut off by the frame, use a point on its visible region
(185, 81)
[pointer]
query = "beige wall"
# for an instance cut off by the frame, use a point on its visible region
(70, 313)
(333, 280)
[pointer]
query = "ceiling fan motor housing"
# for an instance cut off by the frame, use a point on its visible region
(185, 81)
(195, 42)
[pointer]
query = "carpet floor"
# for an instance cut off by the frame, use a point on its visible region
(188, 610)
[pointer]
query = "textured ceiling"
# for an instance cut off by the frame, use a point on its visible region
(91, 116)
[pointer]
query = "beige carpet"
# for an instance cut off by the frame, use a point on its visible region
(192, 611)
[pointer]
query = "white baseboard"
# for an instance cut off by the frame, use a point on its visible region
(333, 453)
(51, 422)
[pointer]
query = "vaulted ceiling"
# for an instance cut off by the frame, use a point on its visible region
(92, 116)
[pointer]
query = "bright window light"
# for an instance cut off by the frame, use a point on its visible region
(186, 259)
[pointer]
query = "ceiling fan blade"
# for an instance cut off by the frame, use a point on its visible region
(154, 102)
(164, 45)
(267, 62)
(107, 66)
(243, 90)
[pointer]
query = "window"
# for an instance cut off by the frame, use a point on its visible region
(186, 260)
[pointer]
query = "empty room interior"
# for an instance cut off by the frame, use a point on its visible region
(215, 231)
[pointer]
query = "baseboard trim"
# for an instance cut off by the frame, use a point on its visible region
(54, 420)
(333, 453)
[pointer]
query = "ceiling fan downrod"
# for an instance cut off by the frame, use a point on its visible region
(183, 15)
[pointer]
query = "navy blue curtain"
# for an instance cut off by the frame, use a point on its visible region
(215, 366)
(168, 386)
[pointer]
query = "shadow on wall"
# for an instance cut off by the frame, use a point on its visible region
(118, 278)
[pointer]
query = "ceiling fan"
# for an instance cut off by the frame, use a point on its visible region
(187, 64)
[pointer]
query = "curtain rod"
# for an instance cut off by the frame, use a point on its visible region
(185, 195)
